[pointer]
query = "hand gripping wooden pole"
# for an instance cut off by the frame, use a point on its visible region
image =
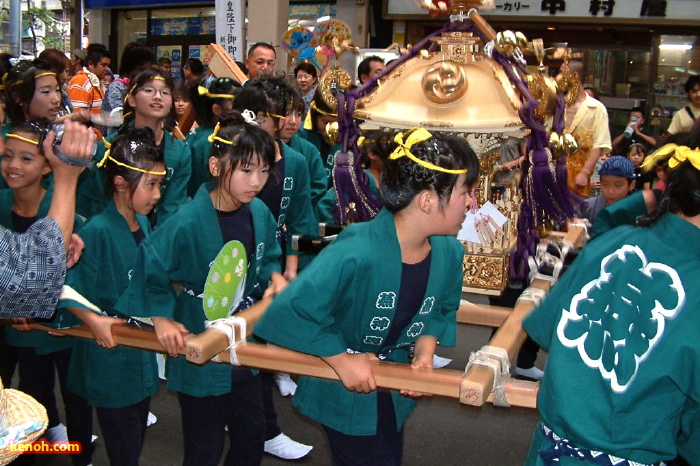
(478, 382)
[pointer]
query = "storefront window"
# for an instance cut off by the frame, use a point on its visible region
(133, 25)
(679, 58)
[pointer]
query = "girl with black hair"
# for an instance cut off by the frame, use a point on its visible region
(182, 251)
(135, 58)
(287, 192)
(39, 355)
(134, 171)
(386, 288)
(208, 105)
(32, 91)
(148, 103)
(621, 327)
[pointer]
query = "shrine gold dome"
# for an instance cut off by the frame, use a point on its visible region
(457, 89)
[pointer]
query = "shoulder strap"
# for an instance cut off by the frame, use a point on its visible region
(690, 112)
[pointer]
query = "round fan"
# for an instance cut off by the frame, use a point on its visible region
(225, 283)
(296, 39)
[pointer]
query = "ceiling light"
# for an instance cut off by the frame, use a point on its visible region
(675, 47)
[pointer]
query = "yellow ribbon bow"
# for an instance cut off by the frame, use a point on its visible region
(418, 136)
(213, 136)
(308, 122)
(204, 91)
(675, 155)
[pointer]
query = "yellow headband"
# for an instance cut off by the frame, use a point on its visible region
(41, 75)
(204, 91)
(416, 137)
(308, 122)
(248, 116)
(272, 115)
(22, 138)
(102, 162)
(675, 155)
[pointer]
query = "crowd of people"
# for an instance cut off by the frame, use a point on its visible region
(131, 212)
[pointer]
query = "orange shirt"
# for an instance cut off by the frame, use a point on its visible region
(85, 91)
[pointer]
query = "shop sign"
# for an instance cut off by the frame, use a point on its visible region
(614, 9)
(230, 18)
(99, 4)
(311, 10)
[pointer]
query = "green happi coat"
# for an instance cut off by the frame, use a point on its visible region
(296, 212)
(622, 212)
(621, 330)
(318, 180)
(41, 341)
(198, 140)
(122, 376)
(181, 252)
(317, 140)
(345, 299)
(91, 198)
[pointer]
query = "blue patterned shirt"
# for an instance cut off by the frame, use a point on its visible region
(32, 270)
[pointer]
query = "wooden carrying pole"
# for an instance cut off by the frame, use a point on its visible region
(488, 316)
(479, 380)
(442, 382)
(201, 348)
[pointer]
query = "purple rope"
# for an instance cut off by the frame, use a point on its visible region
(349, 170)
(545, 197)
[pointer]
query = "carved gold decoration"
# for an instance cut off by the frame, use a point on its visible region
(332, 79)
(521, 39)
(342, 46)
(542, 87)
(330, 133)
(506, 42)
(570, 145)
(556, 145)
(567, 82)
(437, 124)
(486, 266)
(485, 273)
(399, 48)
(460, 47)
(444, 82)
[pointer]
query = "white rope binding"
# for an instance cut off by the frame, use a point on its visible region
(497, 359)
(532, 294)
(228, 327)
(583, 225)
